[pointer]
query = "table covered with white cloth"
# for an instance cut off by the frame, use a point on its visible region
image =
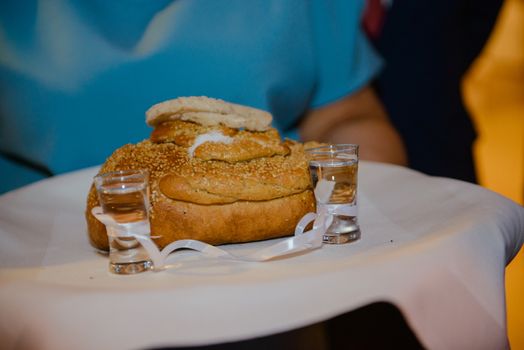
(435, 248)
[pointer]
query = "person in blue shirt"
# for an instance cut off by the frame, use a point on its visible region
(76, 77)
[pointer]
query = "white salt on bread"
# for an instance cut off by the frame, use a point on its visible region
(208, 112)
(212, 136)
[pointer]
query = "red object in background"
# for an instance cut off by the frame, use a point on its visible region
(373, 19)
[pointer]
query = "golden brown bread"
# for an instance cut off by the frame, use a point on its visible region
(243, 144)
(238, 222)
(183, 133)
(214, 201)
(218, 173)
(216, 182)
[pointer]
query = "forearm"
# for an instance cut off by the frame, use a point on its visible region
(378, 142)
(358, 119)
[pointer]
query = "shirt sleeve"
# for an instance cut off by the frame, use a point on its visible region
(345, 61)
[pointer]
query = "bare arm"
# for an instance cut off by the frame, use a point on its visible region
(358, 118)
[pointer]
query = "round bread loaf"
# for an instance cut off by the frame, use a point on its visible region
(242, 202)
(215, 183)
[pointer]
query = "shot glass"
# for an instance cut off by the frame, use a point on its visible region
(124, 195)
(334, 170)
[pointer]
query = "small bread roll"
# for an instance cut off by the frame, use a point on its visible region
(209, 112)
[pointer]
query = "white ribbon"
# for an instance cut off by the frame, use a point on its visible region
(301, 241)
(337, 209)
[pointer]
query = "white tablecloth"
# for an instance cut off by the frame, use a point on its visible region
(434, 247)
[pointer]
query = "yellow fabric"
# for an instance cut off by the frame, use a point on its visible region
(494, 93)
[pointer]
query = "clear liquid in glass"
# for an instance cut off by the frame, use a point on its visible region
(343, 173)
(126, 204)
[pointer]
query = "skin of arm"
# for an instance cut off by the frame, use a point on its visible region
(360, 119)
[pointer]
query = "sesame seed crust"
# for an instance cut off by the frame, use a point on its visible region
(218, 191)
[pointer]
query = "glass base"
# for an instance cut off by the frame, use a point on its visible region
(340, 238)
(130, 268)
(343, 229)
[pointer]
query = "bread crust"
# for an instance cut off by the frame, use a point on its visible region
(238, 222)
(244, 145)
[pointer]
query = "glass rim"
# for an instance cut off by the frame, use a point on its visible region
(333, 148)
(128, 173)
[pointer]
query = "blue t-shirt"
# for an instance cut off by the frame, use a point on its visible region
(76, 77)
